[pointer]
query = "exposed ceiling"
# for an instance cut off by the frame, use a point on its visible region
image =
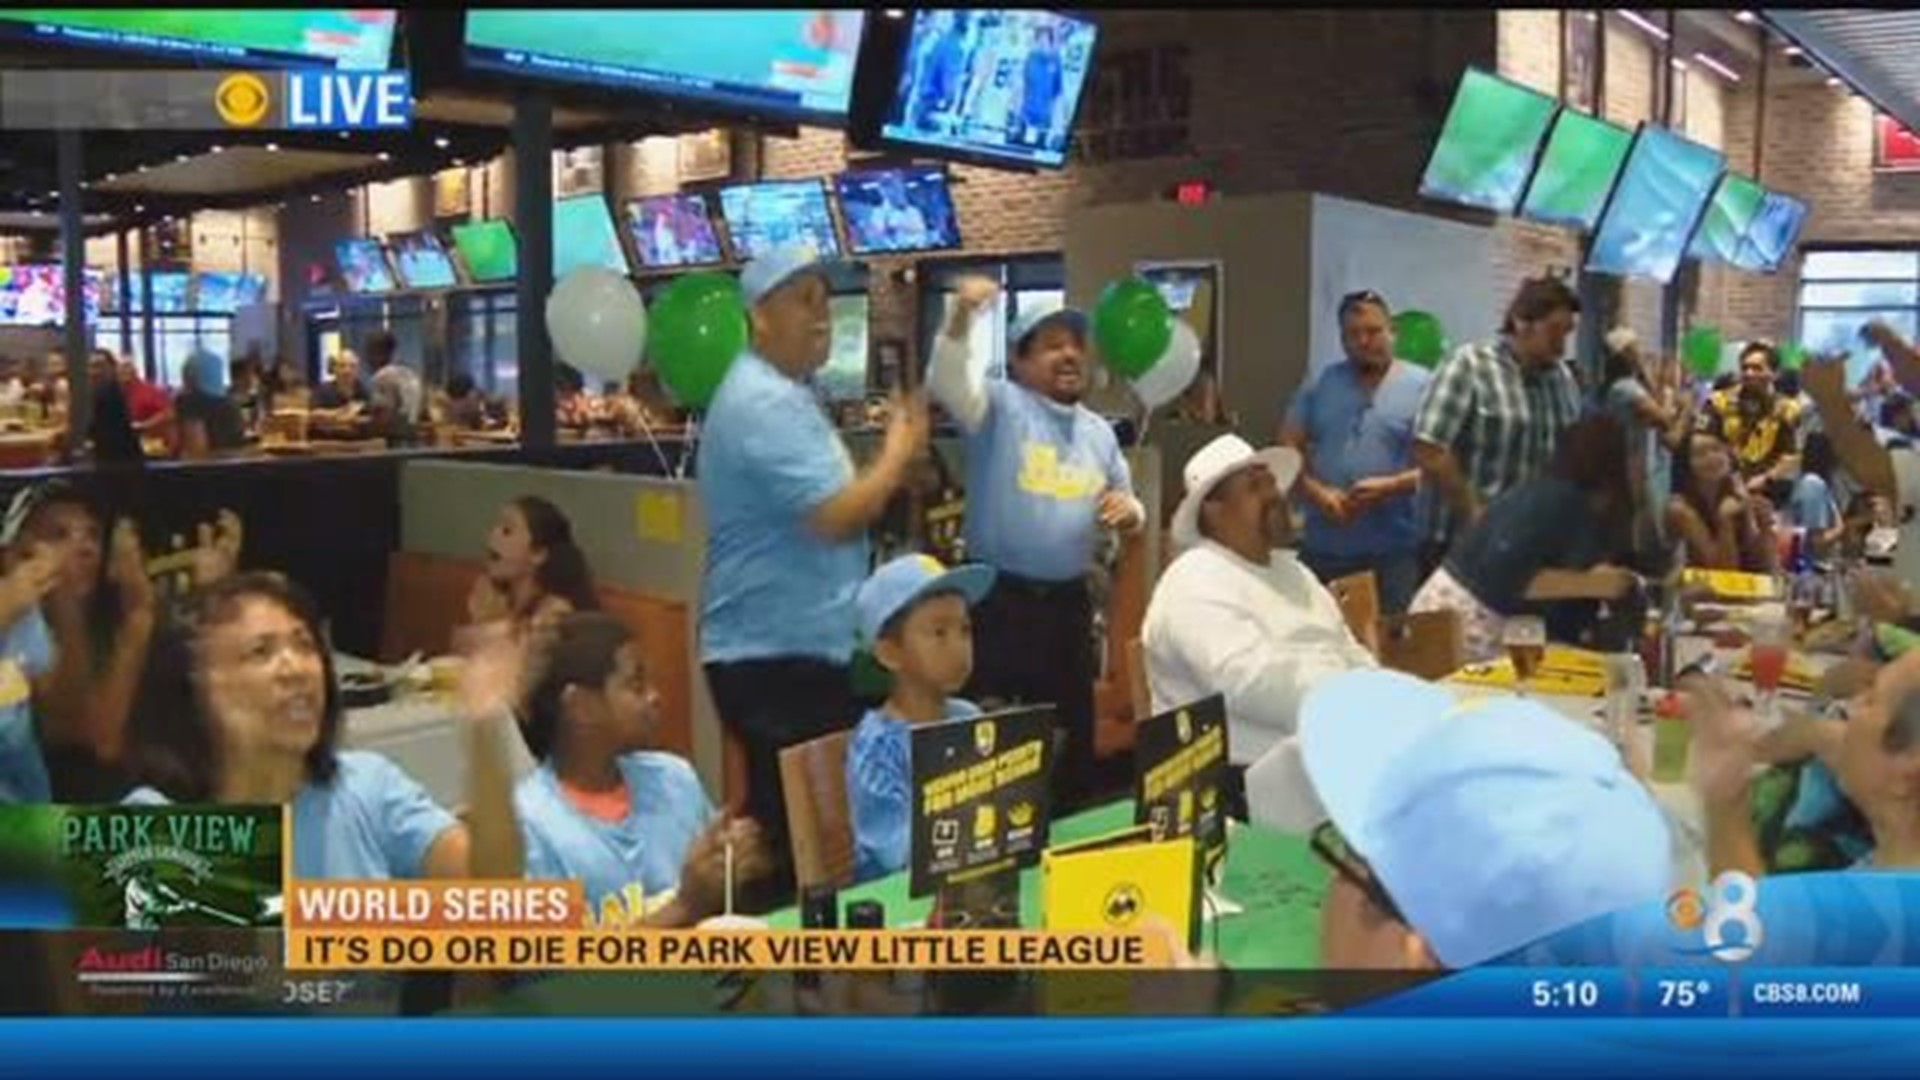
(1876, 52)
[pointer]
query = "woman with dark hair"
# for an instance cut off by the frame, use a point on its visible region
(1656, 418)
(1813, 508)
(1722, 526)
(535, 572)
(1543, 543)
(101, 612)
(239, 706)
(633, 824)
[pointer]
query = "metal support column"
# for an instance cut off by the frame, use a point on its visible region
(73, 268)
(533, 218)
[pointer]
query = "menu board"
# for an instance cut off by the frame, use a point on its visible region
(980, 796)
(1180, 782)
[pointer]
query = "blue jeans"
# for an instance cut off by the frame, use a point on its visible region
(1397, 574)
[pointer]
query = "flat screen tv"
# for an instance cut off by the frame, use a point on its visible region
(1656, 206)
(1488, 145)
(897, 210)
(363, 265)
(170, 289)
(359, 39)
(35, 294)
(1576, 170)
(1730, 213)
(225, 293)
(489, 249)
(998, 85)
(584, 235)
(422, 260)
(672, 231)
(844, 376)
(787, 64)
(775, 213)
(1775, 229)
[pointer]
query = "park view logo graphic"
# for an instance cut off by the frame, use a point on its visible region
(1727, 918)
(140, 868)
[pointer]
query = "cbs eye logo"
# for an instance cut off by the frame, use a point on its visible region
(242, 100)
(1726, 917)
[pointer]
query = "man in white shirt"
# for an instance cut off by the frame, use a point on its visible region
(1237, 615)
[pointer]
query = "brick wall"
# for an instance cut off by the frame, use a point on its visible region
(1819, 147)
(1530, 52)
(1347, 103)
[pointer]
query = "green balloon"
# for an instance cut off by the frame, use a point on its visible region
(1701, 349)
(1418, 338)
(1793, 356)
(694, 332)
(1133, 326)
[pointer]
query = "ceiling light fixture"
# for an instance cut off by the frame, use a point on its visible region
(442, 142)
(1717, 67)
(1644, 23)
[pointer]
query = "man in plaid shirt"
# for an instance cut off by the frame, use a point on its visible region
(1495, 410)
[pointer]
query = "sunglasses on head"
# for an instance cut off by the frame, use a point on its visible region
(1332, 849)
(1364, 296)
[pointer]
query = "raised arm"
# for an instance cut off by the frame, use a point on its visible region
(850, 510)
(1859, 452)
(1901, 356)
(953, 377)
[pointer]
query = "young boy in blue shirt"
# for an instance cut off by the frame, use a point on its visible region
(914, 616)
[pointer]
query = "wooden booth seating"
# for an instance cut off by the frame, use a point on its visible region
(813, 779)
(426, 601)
(1113, 695)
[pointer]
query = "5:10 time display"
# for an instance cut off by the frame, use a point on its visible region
(1566, 994)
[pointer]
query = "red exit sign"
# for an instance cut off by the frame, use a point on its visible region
(1895, 148)
(1193, 193)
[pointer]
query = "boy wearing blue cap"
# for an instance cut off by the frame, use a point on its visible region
(787, 516)
(913, 612)
(1044, 474)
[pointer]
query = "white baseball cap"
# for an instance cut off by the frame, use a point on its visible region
(1218, 460)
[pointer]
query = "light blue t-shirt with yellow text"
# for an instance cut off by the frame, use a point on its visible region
(626, 867)
(1036, 470)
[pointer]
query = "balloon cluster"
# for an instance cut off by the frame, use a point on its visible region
(699, 324)
(1139, 337)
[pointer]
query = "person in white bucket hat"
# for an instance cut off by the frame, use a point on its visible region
(1237, 614)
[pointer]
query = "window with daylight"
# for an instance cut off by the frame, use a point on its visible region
(1841, 291)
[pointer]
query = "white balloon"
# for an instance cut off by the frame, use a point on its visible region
(1170, 375)
(597, 322)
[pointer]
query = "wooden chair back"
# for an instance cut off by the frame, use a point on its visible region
(813, 779)
(1430, 644)
(1359, 598)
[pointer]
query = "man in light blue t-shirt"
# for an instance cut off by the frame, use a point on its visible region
(1044, 474)
(1353, 423)
(787, 516)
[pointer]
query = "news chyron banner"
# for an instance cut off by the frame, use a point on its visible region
(1829, 944)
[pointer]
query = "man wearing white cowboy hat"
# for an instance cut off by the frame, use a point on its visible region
(1238, 615)
(787, 517)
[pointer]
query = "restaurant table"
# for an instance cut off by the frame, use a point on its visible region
(1273, 876)
(420, 732)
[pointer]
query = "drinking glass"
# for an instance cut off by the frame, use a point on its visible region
(1767, 659)
(1525, 637)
